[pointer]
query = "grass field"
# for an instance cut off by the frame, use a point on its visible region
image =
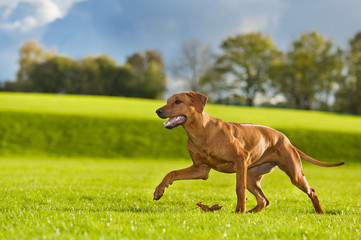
(110, 127)
(103, 199)
(80, 167)
(145, 109)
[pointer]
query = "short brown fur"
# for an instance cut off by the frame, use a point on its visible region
(249, 150)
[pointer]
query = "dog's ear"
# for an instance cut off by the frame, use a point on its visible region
(199, 100)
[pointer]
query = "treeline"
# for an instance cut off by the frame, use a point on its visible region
(313, 73)
(44, 71)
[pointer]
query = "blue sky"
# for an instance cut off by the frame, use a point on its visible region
(121, 27)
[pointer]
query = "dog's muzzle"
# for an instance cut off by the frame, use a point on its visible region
(175, 121)
(172, 121)
(160, 112)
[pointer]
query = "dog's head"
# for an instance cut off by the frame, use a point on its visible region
(181, 107)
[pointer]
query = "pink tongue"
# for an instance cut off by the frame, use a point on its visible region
(170, 122)
(174, 121)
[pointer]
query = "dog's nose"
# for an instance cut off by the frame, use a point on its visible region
(159, 111)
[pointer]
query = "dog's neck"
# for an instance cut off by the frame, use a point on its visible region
(195, 128)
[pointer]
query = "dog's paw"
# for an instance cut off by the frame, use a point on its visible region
(238, 212)
(157, 197)
(158, 193)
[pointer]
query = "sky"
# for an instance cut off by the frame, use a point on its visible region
(119, 28)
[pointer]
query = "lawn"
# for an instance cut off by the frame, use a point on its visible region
(117, 107)
(81, 167)
(112, 199)
(113, 127)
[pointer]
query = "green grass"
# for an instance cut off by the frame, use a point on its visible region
(104, 199)
(110, 127)
(59, 178)
(145, 109)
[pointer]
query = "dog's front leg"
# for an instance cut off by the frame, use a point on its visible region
(192, 172)
(241, 185)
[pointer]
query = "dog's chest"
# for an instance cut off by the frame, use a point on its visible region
(215, 158)
(219, 163)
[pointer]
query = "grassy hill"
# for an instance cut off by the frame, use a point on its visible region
(111, 127)
(80, 198)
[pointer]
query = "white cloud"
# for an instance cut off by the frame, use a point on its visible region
(262, 16)
(42, 13)
(253, 23)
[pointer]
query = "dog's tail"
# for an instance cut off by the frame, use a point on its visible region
(316, 162)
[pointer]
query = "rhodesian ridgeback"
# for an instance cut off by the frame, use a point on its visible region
(249, 150)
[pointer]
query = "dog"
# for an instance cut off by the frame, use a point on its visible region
(249, 150)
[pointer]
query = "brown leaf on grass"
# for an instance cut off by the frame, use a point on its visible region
(209, 209)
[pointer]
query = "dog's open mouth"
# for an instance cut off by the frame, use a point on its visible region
(175, 121)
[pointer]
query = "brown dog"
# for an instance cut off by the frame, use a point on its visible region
(248, 150)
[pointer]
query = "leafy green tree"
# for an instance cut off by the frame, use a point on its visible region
(348, 97)
(107, 68)
(248, 58)
(31, 54)
(53, 75)
(309, 70)
(155, 57)
(137, 62)
(154, 81)
(123, 81)
(140, 61)
(90, 79)
(43, 71)
(149, 78)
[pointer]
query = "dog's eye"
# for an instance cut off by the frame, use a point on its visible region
(177, 101)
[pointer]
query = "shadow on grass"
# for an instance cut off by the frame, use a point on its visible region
(123, 209)
(334, 212)
(147, 207)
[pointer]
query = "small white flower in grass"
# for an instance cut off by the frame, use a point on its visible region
(164, 230)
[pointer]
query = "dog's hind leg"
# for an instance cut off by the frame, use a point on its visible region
(254, 177)
(293, 168)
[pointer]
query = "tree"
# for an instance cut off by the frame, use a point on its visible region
(123, 81)
(154, 81)
(53, 75)
(195, 60)
(248, 58)
(348, 97)
(149, 78)
(107, 70)
(214, 84)
(30, 55)
(140, 61)
(43, 71)
(90, 78)
(309, 70)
